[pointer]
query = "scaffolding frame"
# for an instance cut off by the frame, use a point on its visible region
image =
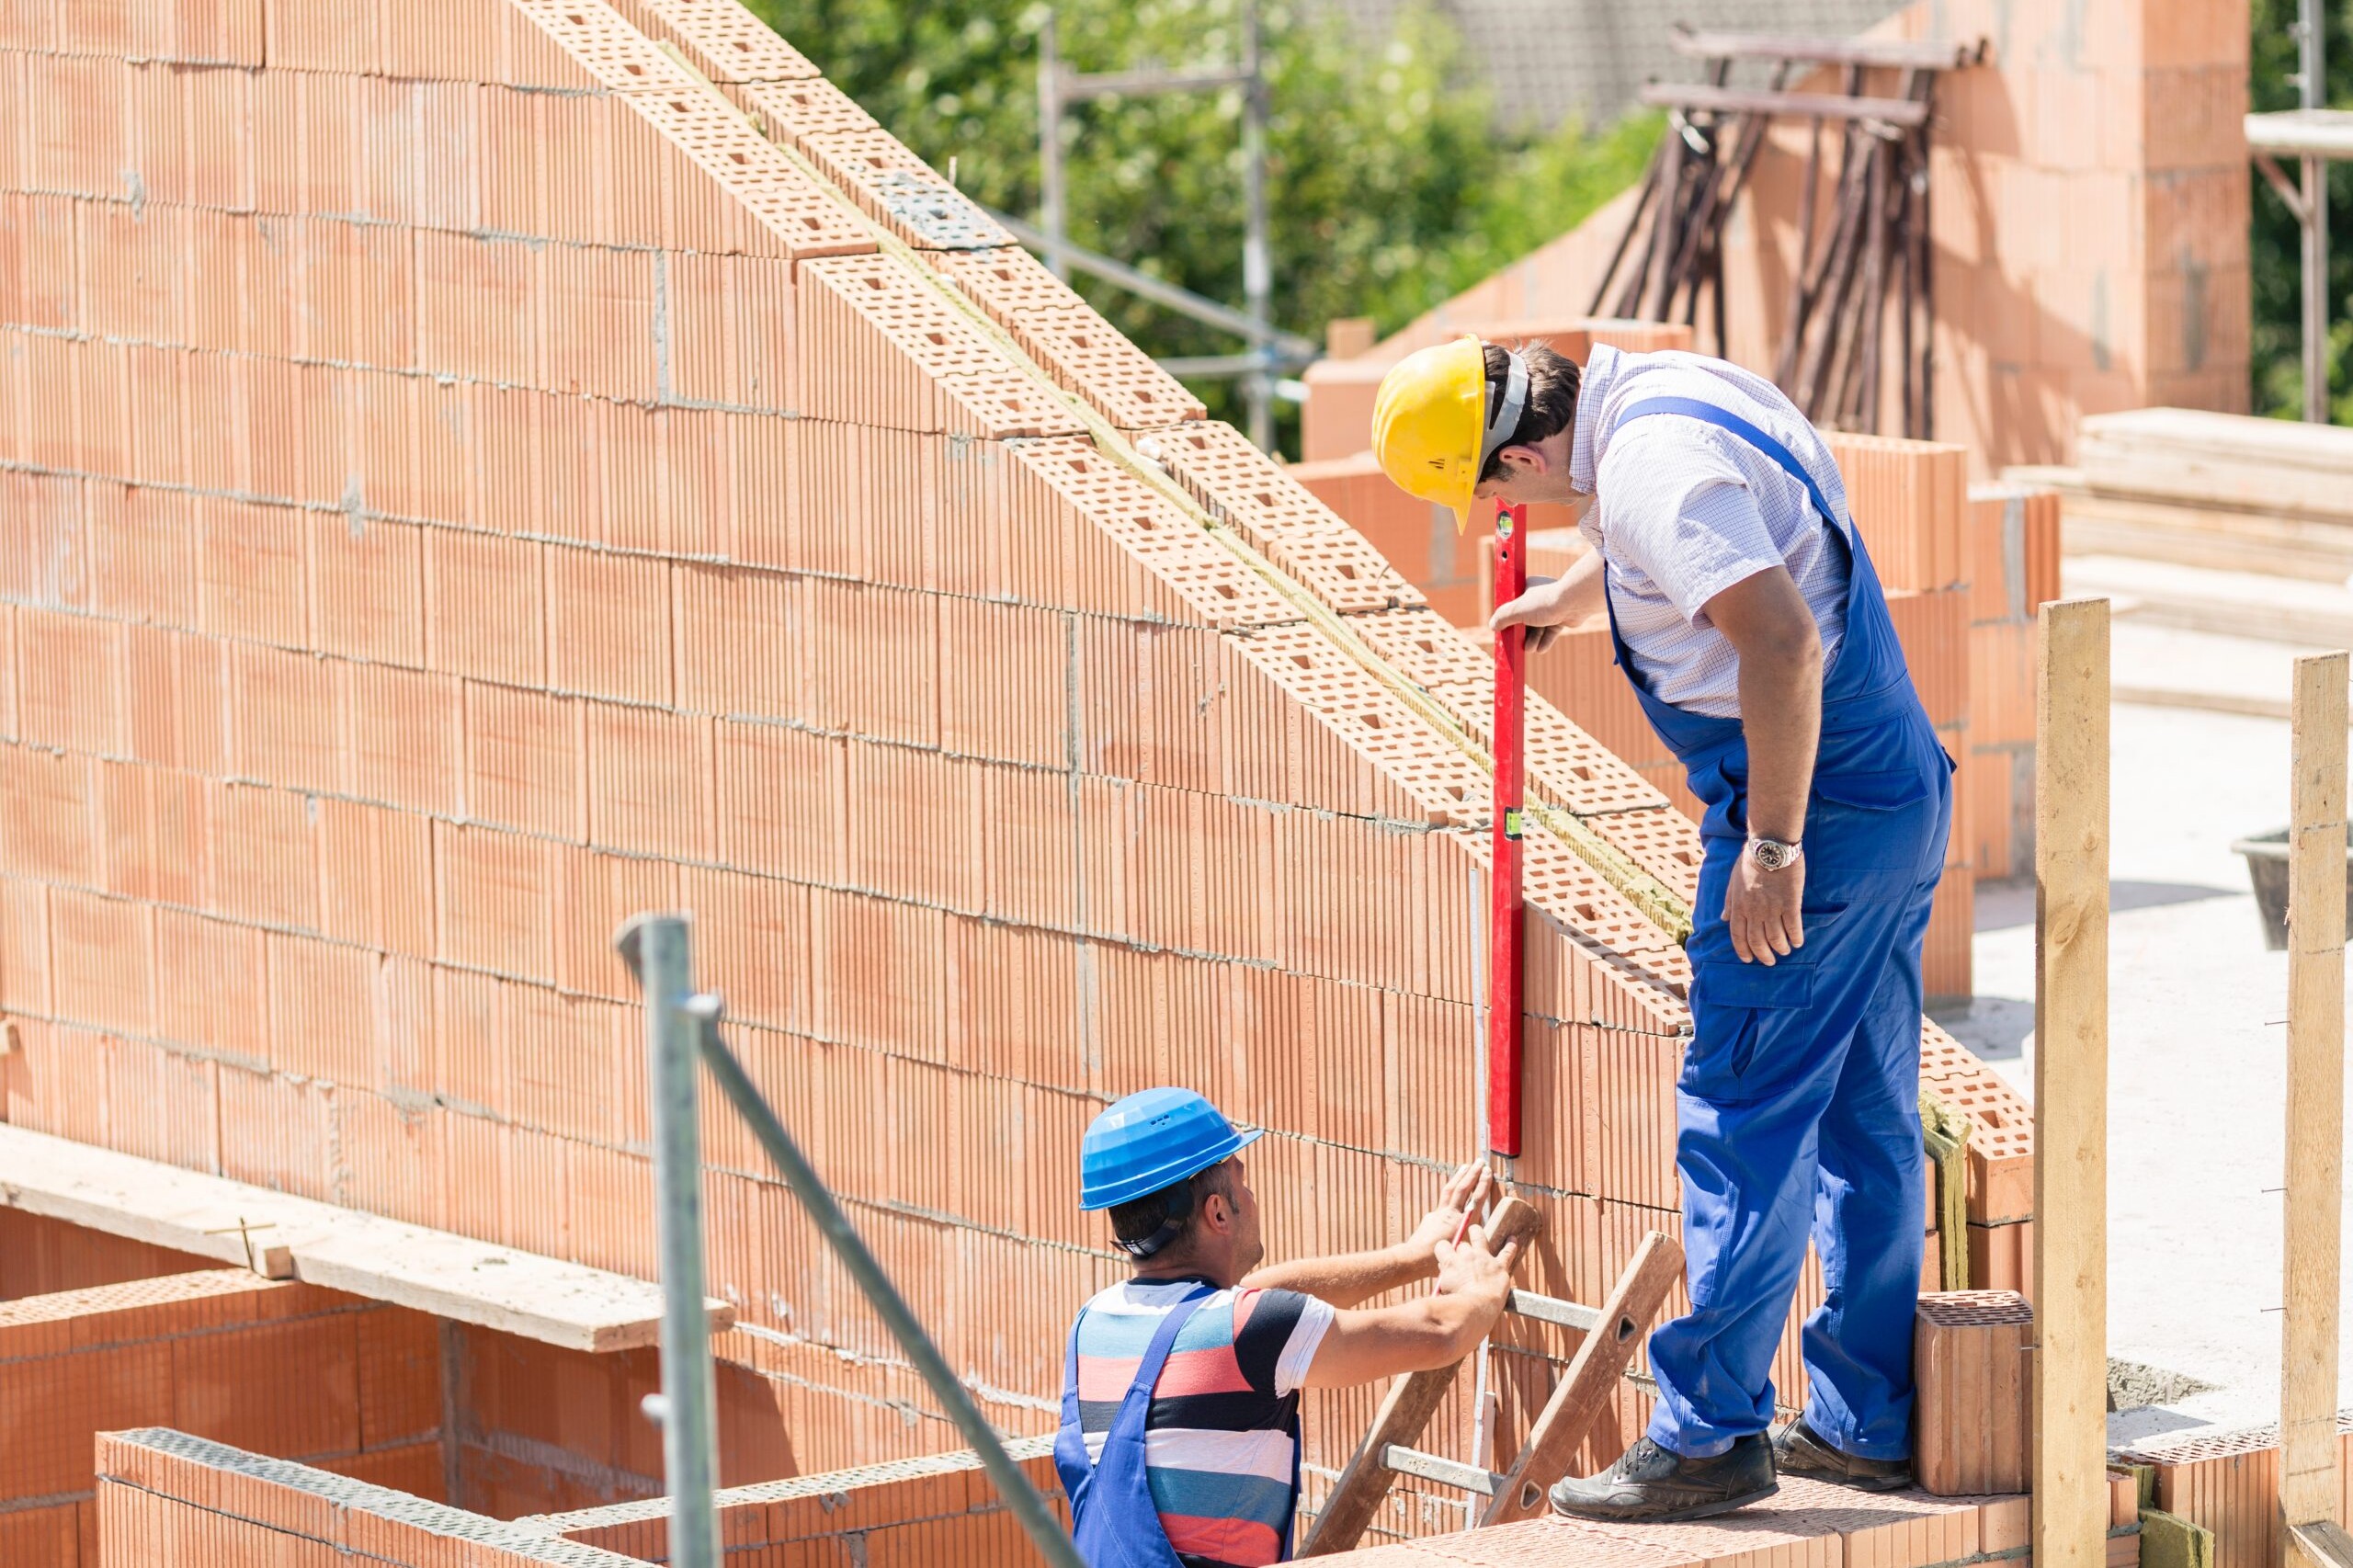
(2315, 136)
(1059, 87)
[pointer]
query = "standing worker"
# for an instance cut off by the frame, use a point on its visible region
(1744, 609)
(1179, 1441)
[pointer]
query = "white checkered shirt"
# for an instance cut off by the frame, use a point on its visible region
(1685, 510)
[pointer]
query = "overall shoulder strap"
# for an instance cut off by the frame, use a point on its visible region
(1726, 420)
(1164, 1340)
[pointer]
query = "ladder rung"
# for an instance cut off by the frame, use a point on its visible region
(1552, 1309)
(1445, 1472)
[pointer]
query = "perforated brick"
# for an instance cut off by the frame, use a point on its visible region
(894, 186)
(1059, 329)
(721, 38)
(1240, 484)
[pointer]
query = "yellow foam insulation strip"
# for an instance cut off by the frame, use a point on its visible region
(1657, 903)
(1944, 1134)
(2168, 1540)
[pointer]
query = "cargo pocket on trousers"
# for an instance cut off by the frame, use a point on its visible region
(1737, 1008)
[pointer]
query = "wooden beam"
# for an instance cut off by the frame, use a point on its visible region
(1893, 53)
(1405, 1409)
(1585, 1389)
(1902, 113)
(2316, 840)
(2071, 1086)
(284, 1237)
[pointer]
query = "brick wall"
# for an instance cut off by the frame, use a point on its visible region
(476, 512)
(939, 1509)
(169, 1499)
(39, 1255)
(2229, 1483)
(268, 1365)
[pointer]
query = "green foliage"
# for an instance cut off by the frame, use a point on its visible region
(1389, 189)
(2275, 243)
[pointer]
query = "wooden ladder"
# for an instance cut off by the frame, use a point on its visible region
(1610, 1331)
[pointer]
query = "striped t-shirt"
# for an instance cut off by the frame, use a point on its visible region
(1222, 1437)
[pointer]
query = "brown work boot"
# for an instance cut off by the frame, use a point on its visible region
(1799, 1449)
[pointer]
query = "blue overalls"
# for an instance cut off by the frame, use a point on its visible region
(1114, 1520)
(1799, 1098)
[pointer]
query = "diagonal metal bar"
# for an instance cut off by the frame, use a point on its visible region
(1028, 1507)
(1159, 291)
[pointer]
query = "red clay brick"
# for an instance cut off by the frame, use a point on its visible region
(608, 625)
(483, 599)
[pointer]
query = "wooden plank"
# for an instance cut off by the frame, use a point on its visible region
(1583, 1390)
(286, 1237)
(1902, 113)
(2319, 1545)
(2071, 857)
(1407, 1407)
(2315, 1155)
(1893, 53)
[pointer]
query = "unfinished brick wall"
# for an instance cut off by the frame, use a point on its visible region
(939, 1509)
(2229, 1483)
(169, 1499)
(496, 489)
(268, 1365)
(534, 1429)
(40, 1255)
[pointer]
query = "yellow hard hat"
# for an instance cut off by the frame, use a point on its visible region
(1429, 426)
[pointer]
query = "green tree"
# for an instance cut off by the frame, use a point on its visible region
(1389, 188)
(2275, 247)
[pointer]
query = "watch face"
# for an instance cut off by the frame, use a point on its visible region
(1772, 856)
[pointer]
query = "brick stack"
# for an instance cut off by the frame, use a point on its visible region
(517, 493)
(2229, 1483)
(939, 1509)
(167, 1500)
(2013, 541)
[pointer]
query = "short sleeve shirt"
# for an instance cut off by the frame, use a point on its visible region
(1685, 509)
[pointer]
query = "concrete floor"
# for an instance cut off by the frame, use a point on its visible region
(2196, 1047)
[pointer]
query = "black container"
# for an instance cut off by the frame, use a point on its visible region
(2267, 867)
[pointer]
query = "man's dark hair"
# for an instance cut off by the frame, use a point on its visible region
(1181, 1201)
(1552, 398)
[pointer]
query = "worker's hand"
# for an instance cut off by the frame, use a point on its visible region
(1544, 609)
(1465, 1268)
(1762, 909)
(1465, 1190)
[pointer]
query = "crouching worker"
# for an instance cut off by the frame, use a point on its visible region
(1179, 1442)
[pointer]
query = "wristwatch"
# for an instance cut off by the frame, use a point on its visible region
(1772, 855)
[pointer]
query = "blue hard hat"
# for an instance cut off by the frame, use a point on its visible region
(1152, 1139)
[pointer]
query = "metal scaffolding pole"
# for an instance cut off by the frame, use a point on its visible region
(1049, 146)
(1257, 265)
(656, 947)
(2311, 92)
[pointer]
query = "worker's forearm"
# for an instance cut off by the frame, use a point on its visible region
(1346, 1278)
(1780, 706)
(1580, 588)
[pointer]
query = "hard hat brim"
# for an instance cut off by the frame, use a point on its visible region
(1143, 1183)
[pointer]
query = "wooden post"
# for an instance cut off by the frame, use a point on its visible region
(2070, 1086)
(2308, 1448)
